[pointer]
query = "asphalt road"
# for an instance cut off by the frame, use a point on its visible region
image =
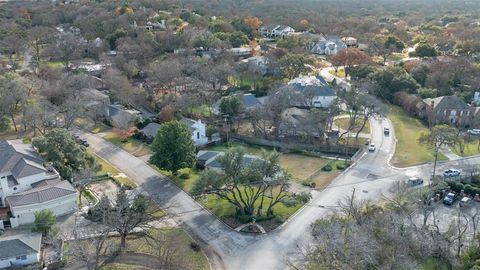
(371, 177)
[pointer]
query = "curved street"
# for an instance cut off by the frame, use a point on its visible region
(371, 176)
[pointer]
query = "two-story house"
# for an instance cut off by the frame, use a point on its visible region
(198, 129)
(276, 31)
(28, 185)
(450, 110)
(329, 45)
(312, 91)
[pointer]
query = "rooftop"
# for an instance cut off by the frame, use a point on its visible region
(20, 159)
(20, 245)
(42, 192)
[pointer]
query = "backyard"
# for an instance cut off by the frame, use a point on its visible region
(409, 151)
(344, 123)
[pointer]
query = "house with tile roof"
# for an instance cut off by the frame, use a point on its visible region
(20, 250)
(29, 185)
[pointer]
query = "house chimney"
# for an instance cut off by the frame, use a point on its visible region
(432, 104)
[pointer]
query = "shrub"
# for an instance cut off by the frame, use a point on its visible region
(327, 168)
(341, 166)
(195, 247)
(455, 186)
(184, 175)
(308, 183)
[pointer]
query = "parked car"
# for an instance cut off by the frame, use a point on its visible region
(84, 142)
(367, 142)
(415, 181)
(449, 199)
(371, 147)
(386, 131)
(451, 173)
(474, 131)
(465, 201)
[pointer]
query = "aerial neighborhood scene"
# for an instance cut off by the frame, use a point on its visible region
(239, 134)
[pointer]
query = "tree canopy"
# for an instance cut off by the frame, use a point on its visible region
(173, 147)
(44, 221)
(68, 157)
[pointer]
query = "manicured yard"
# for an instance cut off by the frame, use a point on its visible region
(185, 178)
(344, 123)
(133, 146)
(226, 211)
(409, 151)
(107, 168)
(172, 239)
(471, 149)
(300, 166)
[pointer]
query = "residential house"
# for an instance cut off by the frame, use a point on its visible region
(257, 63)
(119, 116)
(450, 110)
(150, 131)
(476, 98)
(198, 129)
(28, 185)
(249, 102)
(300, 123)
(95, 102)
(312, 91)
(330, 45)
(20, 250)
(350, 41)
(275, 31)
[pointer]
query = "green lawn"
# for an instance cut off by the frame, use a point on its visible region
(409, 151)
(471, 149)
(133, 146)
(222, 209)
(108, 168)
(344, 123)
(185, 178)
(300, 166)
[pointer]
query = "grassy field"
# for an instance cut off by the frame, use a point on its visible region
(344, 123)
(471, 149)
(172, 239)
(222, 209)
(185, 178)
(107, 168)
(300, 166)
(133, 146)
(409, 151)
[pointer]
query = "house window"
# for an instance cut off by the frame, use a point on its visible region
(198, 135)
(24, 257)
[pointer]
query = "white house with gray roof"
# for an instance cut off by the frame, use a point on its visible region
(28, 185)
(198, 129)
(20, 250)
(311, 91)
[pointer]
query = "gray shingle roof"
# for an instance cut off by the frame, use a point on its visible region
(447, 103)
(20, 159)
(151, 130)
(19, 245)
(206, 155)
(189, 122)
(41, 194)
(250, 101)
